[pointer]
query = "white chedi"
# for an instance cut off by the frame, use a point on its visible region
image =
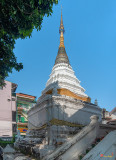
(63, 76)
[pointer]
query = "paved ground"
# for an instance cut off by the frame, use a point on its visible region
(22, 158)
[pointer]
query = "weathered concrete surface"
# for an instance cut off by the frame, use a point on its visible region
(106, 148)
(8, 153)
(78, 144)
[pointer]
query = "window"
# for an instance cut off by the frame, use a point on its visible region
(14, 116)
(19, 118)
(13, 99)
(13, 94)
(14, 128)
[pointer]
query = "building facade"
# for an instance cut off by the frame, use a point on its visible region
(24, 103)
(8, 110)
(109, 117)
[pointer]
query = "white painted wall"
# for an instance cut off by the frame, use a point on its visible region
(63, 108)
(37, 118)
(80, 116)
(72, 110)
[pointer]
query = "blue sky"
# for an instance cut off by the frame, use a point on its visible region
(90, 42)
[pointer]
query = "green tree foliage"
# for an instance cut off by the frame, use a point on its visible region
(18, 18)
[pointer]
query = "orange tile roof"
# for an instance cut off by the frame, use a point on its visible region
(114, 110)
(25, 95)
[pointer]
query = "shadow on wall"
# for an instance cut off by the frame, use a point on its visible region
(70, 109)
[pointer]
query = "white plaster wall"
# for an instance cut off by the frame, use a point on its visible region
(80, 114)
(37, 119)
(63, 108)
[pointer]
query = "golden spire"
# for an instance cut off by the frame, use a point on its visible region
(61, 31)
(61, 56)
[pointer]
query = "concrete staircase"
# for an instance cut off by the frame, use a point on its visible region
(73, 148)
(104, 148)
(97, 140)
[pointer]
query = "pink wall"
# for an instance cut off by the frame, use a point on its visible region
(6, 107)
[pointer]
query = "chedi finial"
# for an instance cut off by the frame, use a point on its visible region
(61, 56)
(61, 29)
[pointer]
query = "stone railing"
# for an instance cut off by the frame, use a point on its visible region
(78, 144)
(104, 149)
